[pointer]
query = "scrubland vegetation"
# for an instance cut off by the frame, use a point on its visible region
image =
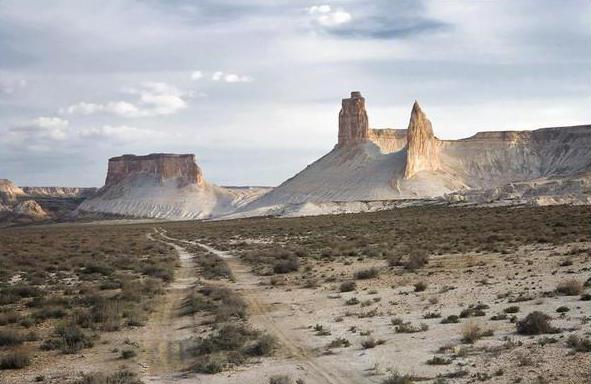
(62, 287)
(453, 288)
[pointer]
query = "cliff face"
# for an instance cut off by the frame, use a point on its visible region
(422, 148)
(59, 192)
(167, 186)
(389, 140)
(159, 167)
(9, 191)
(388, 164)
(353, 124)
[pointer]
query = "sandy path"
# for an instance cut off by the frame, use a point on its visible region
(259, 315)
(162, 356)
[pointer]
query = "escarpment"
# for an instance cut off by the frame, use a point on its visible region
(369, 164)
(164, 185)
(159, 167)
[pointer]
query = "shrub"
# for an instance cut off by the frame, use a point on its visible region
(432, 315)
(420, 286)
(451, 319)
(69, 339)
(416, 261)
(121, 377)
(397, 378)
(209, 365)
(511, 309)
(409, 328)
(586, 297)
(285, 266)
(9, 338)
(438, 360)
(562, 309)
(571, 287)
(368, 273)
(352, 301)
(339, 342)
(128, 354)
(535, 323)
(471, 332)
(280, 379)
(14, 360)
(264, 346)
(370, 342)
(578, 344)
(347, 286)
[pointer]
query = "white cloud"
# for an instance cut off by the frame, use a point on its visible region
(9, 87)
(154, 99)
(54, 128)
(318, 9)
(196, 75)
(231, 77)
(327, 17)
(118, 133)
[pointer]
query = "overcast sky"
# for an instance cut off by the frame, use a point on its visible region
(253, 88)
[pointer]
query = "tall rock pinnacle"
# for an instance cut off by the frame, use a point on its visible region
(353, 124)
(422, 148)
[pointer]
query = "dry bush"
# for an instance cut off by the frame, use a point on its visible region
(120, 377)
(280, 379)
(472, 331)
(14, 360)
(368, 273)
(535, 323)
(571, 287)
(347, 286)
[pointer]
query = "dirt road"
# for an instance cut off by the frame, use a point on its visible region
(260, 316)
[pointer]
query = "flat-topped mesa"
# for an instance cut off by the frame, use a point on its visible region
(159, 166)
(422, 148)
(353, 123)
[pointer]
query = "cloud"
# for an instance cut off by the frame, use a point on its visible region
(196, 75)
(378, 20)
(9, 87)
(122, 133)
(231, 77)
(326, 17)
(154, 99)
(53, 128)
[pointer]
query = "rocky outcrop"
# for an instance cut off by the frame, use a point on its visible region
(422, 146)
(159, 167)
(166, 186)
(387, 164)
(59, 192)
(387, 139)
(30, 209)
(353, 123)
(9, 192)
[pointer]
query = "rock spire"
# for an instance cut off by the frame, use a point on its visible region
(353, 123)
(422, 147)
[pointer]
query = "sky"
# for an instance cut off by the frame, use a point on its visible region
(253, 88)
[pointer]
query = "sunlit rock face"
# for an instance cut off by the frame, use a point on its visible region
(370, 164)
(158, 166)
(353, 123)
(166, 186)
(422, 152)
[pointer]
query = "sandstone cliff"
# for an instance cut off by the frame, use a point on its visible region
(59, 192)
(9, 192)
(386, 164)
(157, 166)
(167, 186)
(353, 123)
(422, 148)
